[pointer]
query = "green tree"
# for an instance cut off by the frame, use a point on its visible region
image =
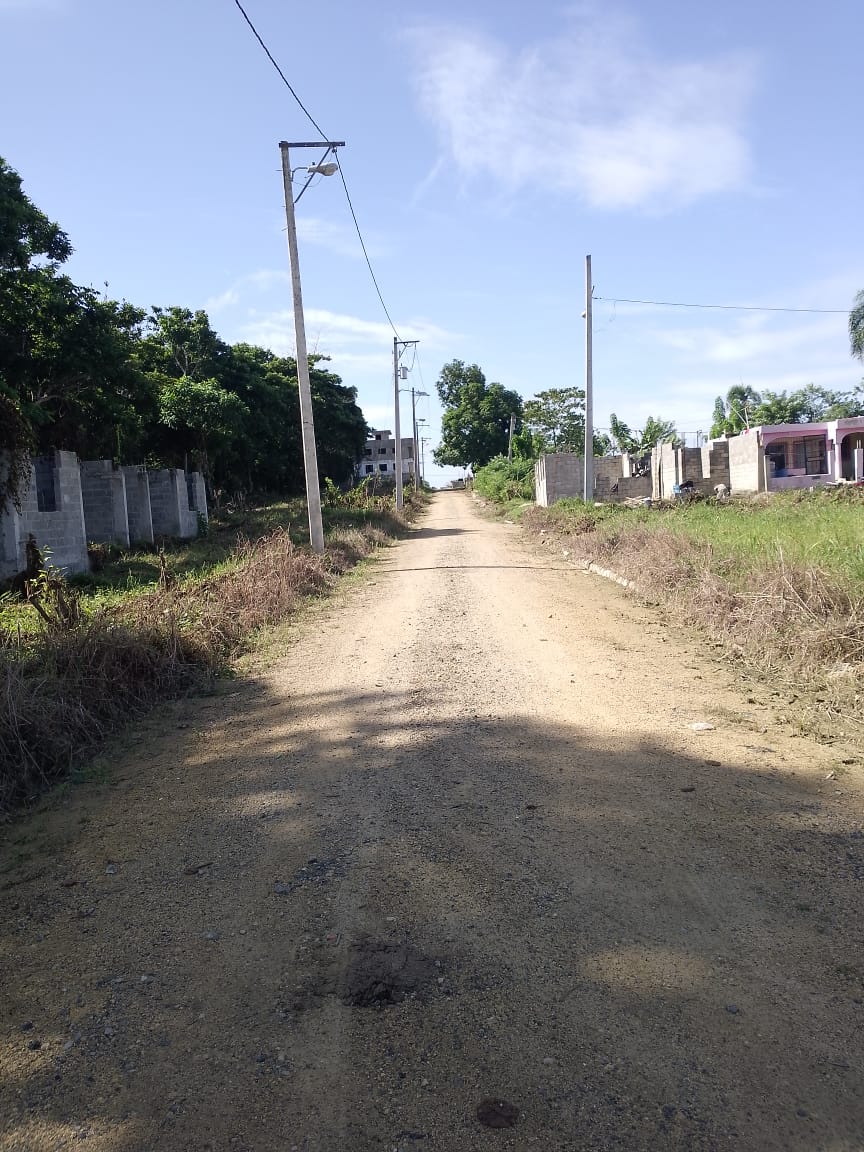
(202, 415)
(65, 353)
(735, 413)
(639, 442)
(557, 417)
(475, 425)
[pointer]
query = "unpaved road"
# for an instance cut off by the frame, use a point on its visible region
(457, 842)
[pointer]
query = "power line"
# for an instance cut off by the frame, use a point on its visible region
(724, 307)
(365, 253)
(306, 111)
(324, 137)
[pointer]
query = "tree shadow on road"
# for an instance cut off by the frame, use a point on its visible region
(639, 948)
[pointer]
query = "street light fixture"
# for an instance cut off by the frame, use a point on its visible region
(307, 424)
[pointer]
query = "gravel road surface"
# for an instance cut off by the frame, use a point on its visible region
(450, 870)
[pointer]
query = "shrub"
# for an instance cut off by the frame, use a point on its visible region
(502, 480)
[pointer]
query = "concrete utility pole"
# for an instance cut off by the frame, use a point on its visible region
(307, 423)
(414, 395)
(510, 438)
(589, 388)
(397, 426)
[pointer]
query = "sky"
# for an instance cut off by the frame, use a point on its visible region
(700, 154)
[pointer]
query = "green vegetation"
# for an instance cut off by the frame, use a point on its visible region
(475, 425)
(503, 480)
(79, 660)
(744, 407)
(779, 581)
(813, 529)
(110, 380)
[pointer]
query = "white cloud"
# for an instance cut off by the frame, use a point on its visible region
(350, 337)
(336, 238)
(592, 111)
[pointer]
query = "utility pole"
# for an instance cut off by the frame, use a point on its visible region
(414, 395)
(589, 388)
(307, 423)
(397, 428)
(510, 438)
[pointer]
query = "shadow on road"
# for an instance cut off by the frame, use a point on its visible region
(641, 949)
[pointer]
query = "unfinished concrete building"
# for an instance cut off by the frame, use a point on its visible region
(52, 511)
(69, 504)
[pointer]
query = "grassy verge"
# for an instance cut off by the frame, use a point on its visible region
(779, 582)
(110, 647)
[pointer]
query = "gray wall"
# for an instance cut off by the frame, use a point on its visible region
(169, 504)
(746, 463)
(138, 504)
(103, 489)
(60, 532)
(557, 475)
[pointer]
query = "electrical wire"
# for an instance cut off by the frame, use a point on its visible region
(365, 253)
(305, 110)
(325, 138)
(724, 307)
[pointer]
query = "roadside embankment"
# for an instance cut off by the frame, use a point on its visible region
(777, 582)
(81, 665)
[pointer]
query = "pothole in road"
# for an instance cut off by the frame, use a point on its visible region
(380, 973)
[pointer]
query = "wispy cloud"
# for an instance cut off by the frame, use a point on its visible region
(592, 112)
(349, 337)
(338, 238)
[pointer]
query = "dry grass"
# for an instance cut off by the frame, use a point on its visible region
(65, 688)
(798, 624)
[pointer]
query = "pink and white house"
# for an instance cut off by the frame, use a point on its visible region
(777, 457)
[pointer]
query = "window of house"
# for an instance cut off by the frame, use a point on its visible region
(383, 467)
(370, 468)
(809, 453)
(377, 435)
(367, 451)
(382, 451)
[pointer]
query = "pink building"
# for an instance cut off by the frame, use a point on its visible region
(776, 457)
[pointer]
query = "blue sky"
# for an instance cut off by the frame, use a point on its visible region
(700, 155)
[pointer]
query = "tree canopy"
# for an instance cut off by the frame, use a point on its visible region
(640, 441)
(744, 407)
(475, 425)
(106, 379)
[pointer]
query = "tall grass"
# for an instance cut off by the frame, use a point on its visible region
(779, 582)
(64, 688)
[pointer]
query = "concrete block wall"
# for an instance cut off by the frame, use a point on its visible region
(715, 462)
(169, 502)
(557, 475)
(60, 532)
(103, 489)
(138, 504)
(746, 462)
(197, 490)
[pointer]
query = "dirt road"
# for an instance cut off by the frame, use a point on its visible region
(453, 872)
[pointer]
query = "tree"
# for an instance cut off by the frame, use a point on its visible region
(557, 417)
(639, 442)
(202, 415)
(735, 413)
(26, 233)
(65, 353)
(475, 425)
(856, 327)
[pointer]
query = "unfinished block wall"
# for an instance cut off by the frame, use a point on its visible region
(103, 489)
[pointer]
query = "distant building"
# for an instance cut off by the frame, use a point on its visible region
(379, 456)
